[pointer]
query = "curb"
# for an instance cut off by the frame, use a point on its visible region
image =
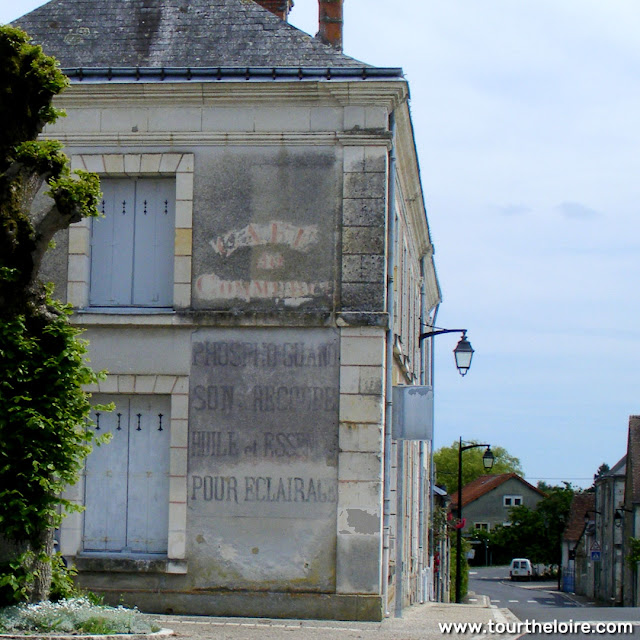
(66, 636)
(480, 600)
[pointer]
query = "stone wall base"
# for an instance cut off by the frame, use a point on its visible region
(251, 604)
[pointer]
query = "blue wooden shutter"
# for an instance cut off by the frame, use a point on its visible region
(112, 245)
(105, 493)
(148, 501)
(132, 247)
(154, 243)
(127, 479)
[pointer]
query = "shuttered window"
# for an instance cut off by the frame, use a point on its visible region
(132, 246)
(127, 479)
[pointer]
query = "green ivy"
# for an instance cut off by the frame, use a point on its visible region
(633, 557)
(43, 415)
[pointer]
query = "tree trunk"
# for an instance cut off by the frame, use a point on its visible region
(40, 567)
(37, 565)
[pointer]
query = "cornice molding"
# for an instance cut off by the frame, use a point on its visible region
(409, 175)
(388, 94)
(203, 138)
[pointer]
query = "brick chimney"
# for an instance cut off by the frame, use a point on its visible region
(330, 22)
(281, 8)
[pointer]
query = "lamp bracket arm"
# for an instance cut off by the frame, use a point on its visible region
(437, 332)
(473, 446)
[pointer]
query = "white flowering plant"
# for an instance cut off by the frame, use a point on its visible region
(73, 616)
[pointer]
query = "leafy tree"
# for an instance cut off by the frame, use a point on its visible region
(43, 409)
(446, 461)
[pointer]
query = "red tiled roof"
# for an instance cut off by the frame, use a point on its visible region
(581, 503)
(484, 484)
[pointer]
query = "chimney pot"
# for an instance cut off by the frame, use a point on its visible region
(280, 8)
(330, 22)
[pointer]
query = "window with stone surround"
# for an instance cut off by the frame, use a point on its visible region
(135, 260)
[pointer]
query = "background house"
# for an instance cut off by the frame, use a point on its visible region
(609, 496)
(255, 289)
(576, 544)
(629, 514)
(487, 500)
(602, 525)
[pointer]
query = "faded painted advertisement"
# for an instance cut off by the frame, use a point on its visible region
(263, 435)
(267, 234)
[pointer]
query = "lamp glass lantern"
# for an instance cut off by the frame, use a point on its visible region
(488, 459)
(463, 354)
(617, 519)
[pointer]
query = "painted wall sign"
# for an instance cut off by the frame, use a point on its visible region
(270, 241)
(275, 232)
(211, 287)
(263, 450)
(268, 228)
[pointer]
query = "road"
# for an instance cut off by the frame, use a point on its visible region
(541, 602)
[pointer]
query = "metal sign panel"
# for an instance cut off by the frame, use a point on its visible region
(413, 412)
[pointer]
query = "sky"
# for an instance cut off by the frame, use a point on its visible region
(527, 124)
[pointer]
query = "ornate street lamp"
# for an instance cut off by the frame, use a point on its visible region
(487, 461)
(463, 352)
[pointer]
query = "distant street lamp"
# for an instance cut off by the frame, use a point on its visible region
(588, 518)
(619, 515)
(487, 461)
(463, 352)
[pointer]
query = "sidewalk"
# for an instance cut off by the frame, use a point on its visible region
(419, 622)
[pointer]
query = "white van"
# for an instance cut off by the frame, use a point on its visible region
(521, 569)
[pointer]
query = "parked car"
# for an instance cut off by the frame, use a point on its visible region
(521, 569)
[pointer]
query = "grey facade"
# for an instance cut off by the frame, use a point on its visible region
(608, 571)
(630, 512)
(601, 527)
(299, 274)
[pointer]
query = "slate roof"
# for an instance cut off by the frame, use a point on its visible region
(581, 503)
(173, 33)
(484, 484)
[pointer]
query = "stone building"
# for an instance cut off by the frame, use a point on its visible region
(629, 516)
(255, 288)
(609, 497)
(577, 539)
